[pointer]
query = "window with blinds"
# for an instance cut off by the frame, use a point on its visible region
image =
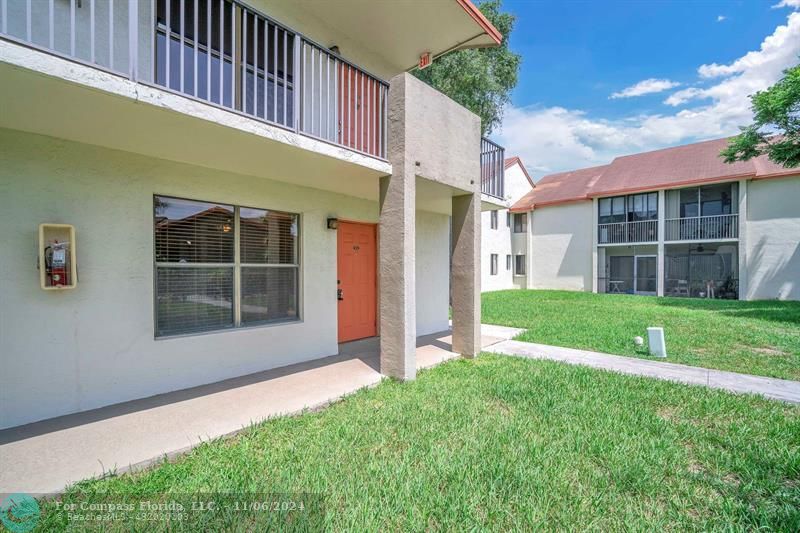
(205, 250)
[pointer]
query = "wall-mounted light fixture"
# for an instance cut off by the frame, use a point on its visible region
(333, 223)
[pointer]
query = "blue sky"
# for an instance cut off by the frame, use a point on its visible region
(694, 62)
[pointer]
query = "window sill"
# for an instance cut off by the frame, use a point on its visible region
(230, 330)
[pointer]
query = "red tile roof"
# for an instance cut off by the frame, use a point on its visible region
(669, 167)
(511, 161)
(560, 188)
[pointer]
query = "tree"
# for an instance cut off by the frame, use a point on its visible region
(479, 79)
(775, 130)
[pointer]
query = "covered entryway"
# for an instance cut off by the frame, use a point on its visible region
(357, 280)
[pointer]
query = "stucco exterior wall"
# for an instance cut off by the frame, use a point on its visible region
(442, 137)
(432, 272)
(495, 241)
(503, 241)
(519, 246)
(69, 351)
(561, 247)
(773, 239)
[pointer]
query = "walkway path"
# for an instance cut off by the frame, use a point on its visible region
(777, 389)
(44, 457)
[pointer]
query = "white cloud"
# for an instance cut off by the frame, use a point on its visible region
(685, 95)
(550, 139)
(795, 4)
(648, 86)
(775, 50)
(720, 18)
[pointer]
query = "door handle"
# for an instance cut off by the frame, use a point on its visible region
(339, 295)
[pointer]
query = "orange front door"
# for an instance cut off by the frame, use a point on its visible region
(357, 280)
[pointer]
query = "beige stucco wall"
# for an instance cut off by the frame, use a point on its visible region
(561, 247)
(63, 352)
(442, 138)
(773, 239)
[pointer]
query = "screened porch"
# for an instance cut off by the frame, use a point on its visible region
(628, 270)
(702, 270)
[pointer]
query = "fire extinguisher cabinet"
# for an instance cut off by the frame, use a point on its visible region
(58, 268)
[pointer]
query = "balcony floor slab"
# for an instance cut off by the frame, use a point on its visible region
(52, 94)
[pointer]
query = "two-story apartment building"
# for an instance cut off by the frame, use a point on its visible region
(672, 222)
(193, 190)
(504, 234)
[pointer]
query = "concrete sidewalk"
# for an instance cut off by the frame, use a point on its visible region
(777, 389)
(45, 457)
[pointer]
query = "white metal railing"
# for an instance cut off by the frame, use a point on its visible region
(624, 232)
(702, 228)
(219, 51)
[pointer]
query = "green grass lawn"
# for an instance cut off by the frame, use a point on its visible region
(761, 337)
(501, 443)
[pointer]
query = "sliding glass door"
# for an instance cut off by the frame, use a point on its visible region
(645, 275)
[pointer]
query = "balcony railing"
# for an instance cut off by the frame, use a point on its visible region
(702, 228)
(221, 52)
(492, 168)
(624, 232)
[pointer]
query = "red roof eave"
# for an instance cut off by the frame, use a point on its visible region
(670, 185)
(782, 174)
(534, 205)
(511, 161)
(481, 19)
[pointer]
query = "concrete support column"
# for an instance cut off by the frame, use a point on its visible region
(595, 220)
(396, 257)
(660, 272)
(396, 248)
(465, 274)
(742, 247)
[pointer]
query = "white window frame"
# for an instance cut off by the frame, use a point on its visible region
(493, 264)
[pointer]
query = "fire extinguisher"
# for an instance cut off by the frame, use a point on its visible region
(56, 257)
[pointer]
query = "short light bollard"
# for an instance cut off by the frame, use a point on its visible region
(655, 339)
